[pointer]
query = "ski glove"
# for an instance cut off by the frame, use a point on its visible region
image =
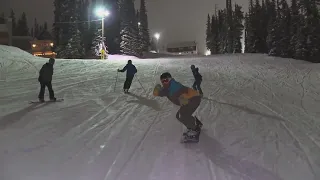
(183, 101)
(156, 90)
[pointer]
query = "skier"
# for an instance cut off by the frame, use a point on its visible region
(198, 79)
(185, 97)
(45, 78)
(131, 71)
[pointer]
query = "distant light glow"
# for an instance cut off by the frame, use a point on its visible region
(101, 12)
(208, 52)
(157, 36)
(139, 23)
(34, 45)
(51, 44)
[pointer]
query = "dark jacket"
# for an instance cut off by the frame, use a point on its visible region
(197, 76)
(130, 68)
(175, 92)
(46, 72)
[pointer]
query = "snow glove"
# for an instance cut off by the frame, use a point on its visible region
(157, 89)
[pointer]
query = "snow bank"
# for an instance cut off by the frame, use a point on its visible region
(14, 62)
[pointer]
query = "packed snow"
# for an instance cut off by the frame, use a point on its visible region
(260, 114)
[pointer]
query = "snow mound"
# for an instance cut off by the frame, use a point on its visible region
(260, 114)
(14, 62)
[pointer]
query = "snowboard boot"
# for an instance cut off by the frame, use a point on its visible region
(41, 100)
(198, 126)
(53, 99)
(192, 133)
(198, 123)
(126, 91)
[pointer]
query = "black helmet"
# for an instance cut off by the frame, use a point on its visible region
(129, 62)
(165, 75)
(192, 66)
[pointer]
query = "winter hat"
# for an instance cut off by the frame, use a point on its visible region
(129, 62)
(51, 61)
(165, 75)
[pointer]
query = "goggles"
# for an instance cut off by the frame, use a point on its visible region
(165, 81)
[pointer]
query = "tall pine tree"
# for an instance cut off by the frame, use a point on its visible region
(238, 29)
(56, 22)
(130, 44)
(143, 27)
(112, 26)
(22, 27)
(70, 37)
(208, 34)
(284, 29)
(14, 22)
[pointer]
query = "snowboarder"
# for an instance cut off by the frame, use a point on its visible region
(185, 97)
(198, 79)
(45, 78)
(131, 71)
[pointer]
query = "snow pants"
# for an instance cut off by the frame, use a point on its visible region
(184, 115)
(43, 86)
(128, 82)
(196, 86)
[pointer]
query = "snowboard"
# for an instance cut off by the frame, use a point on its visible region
(39, 102)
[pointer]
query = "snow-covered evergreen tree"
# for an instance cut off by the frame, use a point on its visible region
(273, 30)
(74, 48)
(56, 27)
(284, 29)
(130, 43)
(238, 29)
(143, 27)
(214, 34)
(208, 34)
(294, 26)
(70, 37)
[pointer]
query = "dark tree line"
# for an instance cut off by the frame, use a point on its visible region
(224, 30)
(292, 31)
(78, 31)
(271, 26)
(20, 26)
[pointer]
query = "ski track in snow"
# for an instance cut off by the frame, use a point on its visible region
(260, 116)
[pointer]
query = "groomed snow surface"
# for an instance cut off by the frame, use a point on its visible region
(261, 120)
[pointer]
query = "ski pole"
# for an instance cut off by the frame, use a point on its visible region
(115, 83)
(141, 85)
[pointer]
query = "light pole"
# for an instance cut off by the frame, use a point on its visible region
(157, 36)
(101, 12)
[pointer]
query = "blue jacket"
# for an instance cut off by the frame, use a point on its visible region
(130, 68)
(176, 92)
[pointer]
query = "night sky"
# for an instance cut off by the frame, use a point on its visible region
(176, 20)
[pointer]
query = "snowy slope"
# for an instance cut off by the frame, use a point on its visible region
(260, 114)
